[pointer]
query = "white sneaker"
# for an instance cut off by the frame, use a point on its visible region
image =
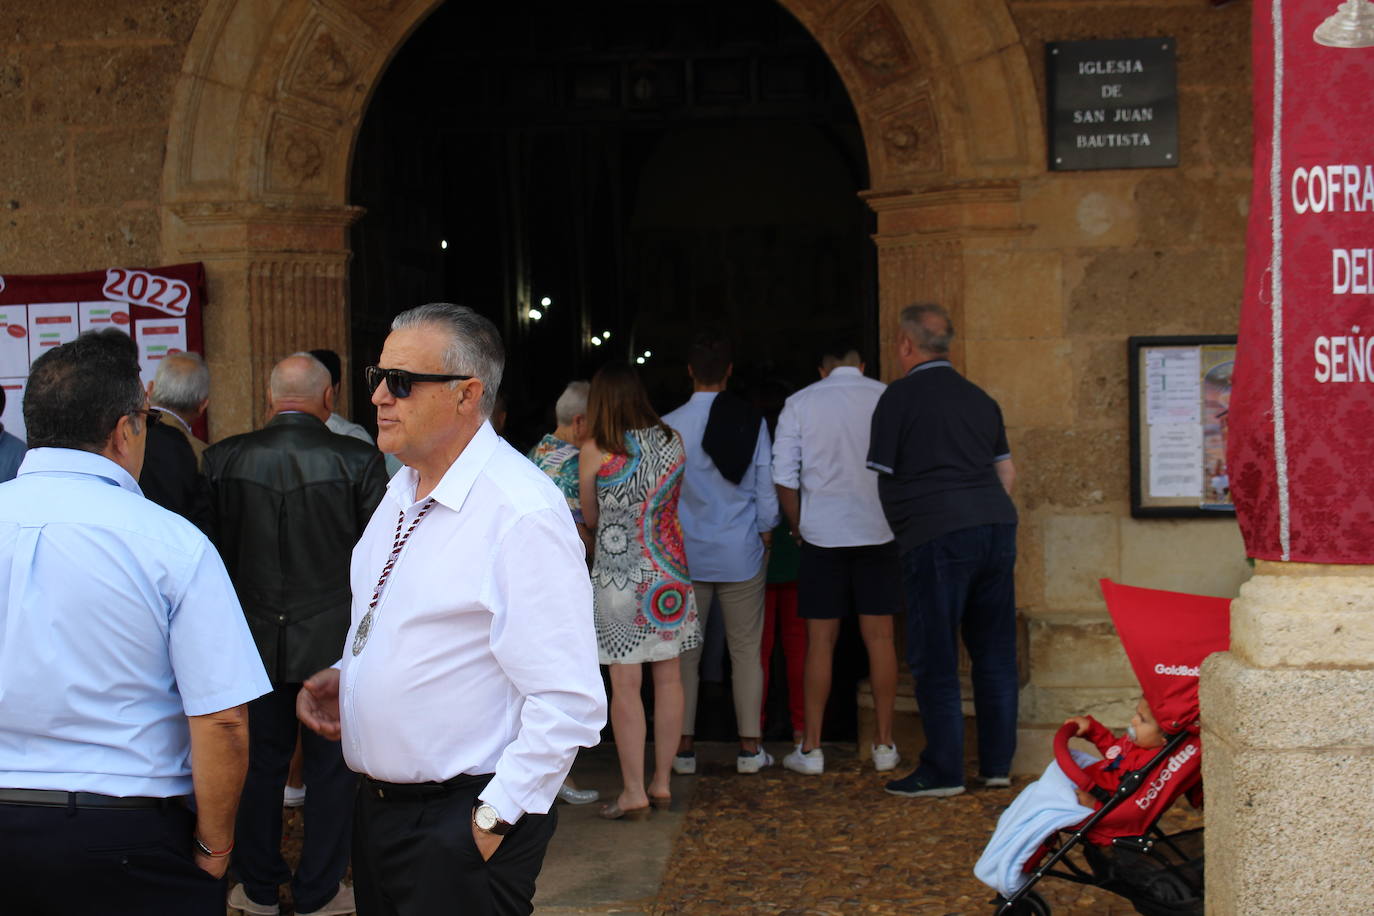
(292, 797)
(339, 906)
(752, 763)
(685, 764)
(812, 762)
(239, 900)
(885, 757)
(995, 782)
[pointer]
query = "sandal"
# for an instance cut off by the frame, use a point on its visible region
(613, 812)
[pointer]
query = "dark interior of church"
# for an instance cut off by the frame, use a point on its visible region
(607, 179)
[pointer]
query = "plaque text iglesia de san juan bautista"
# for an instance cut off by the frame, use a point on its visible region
(1113, 104)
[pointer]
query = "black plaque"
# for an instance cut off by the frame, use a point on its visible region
(1113, 104)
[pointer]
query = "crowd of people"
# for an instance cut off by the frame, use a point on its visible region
(408, 635)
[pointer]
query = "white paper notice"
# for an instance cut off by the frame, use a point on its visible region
(14, 341)
(13, 417)
(51, 324)
(158, 337)
(1176, 460)
(98, 315)
(1173, 385)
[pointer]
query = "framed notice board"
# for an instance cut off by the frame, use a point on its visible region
(1180, 405)
(159, 307)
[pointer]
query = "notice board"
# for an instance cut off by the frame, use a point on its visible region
(159, 307)
(1180, 420)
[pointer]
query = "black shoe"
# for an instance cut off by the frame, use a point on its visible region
(917, 786)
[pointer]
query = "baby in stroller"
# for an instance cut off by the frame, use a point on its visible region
(1115, 801)
(1120, 756)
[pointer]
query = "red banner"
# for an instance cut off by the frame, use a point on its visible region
(1301, 453)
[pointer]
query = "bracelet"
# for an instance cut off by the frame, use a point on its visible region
(207, 851)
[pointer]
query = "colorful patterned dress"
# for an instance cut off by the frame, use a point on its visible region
(644, 607)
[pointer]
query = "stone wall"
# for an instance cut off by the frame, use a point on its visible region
(85, 94)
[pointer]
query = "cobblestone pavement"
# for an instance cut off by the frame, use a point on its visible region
(837, 843)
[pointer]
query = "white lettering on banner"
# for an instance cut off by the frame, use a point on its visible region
(1090, 116)
(1108, 67)
(1134, 114)
(1166, 773)
(1097, 141)
(138, 287)
(1176, 670)
(1352, 271)
(1344, 358)
(1333, 188)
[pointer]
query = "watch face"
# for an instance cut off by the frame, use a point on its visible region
(485, 817)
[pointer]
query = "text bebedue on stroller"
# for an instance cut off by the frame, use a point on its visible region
(1166, 636)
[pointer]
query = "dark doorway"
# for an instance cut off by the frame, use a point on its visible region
(647, 168)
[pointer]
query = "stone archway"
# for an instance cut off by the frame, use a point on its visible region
(269, 100)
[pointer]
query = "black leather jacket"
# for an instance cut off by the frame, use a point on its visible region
(290, 500)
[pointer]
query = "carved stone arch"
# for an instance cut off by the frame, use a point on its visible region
(271, 94)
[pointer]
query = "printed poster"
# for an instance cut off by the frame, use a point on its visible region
(96, 316)
(51, 324)
(157, 339)
(14, 341)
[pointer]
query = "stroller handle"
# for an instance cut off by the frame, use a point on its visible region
(1065, 759)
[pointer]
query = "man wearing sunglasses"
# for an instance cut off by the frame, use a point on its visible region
(125, 663)
(469, 678)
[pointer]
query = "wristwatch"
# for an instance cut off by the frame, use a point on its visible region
(487, 820)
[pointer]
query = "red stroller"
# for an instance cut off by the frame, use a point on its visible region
(1166, 636)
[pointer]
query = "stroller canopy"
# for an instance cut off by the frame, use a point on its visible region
(1166, 636)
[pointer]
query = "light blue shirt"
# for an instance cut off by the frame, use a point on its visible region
(117, 621)
(721, 522)
(12, 450)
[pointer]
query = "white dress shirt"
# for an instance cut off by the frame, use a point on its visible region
(482, 653)
(822, 450)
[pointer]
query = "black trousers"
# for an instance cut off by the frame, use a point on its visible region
(115, 862)
(330, 786)
(414, 855)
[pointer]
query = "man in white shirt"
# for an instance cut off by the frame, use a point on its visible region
(469, 675)
(849, 559)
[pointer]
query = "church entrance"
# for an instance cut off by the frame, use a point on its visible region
(604, 180)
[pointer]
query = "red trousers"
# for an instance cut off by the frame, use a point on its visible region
(780, 616)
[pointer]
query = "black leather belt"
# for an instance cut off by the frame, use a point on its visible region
(410, 791)
(55, 798)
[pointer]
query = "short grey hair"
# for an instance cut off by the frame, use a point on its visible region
(474, 348)
(308, 381)
(920, 333)
(182, 382)
(571, 402)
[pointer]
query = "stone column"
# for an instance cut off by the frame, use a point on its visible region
(1288, 741)
(277, 281)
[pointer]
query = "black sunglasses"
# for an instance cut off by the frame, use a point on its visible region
(152, 413)
(398, 381)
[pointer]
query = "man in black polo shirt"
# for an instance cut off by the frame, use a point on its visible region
(944, 479)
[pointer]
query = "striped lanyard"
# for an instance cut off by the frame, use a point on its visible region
(397, 545)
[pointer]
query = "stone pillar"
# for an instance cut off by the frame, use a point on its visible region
(277, 281)
(1288, 740)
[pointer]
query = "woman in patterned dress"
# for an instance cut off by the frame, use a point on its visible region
(629, 476)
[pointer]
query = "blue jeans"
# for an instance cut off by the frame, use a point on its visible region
(961, 583)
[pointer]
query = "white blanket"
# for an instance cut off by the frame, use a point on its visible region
(1043, 807)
